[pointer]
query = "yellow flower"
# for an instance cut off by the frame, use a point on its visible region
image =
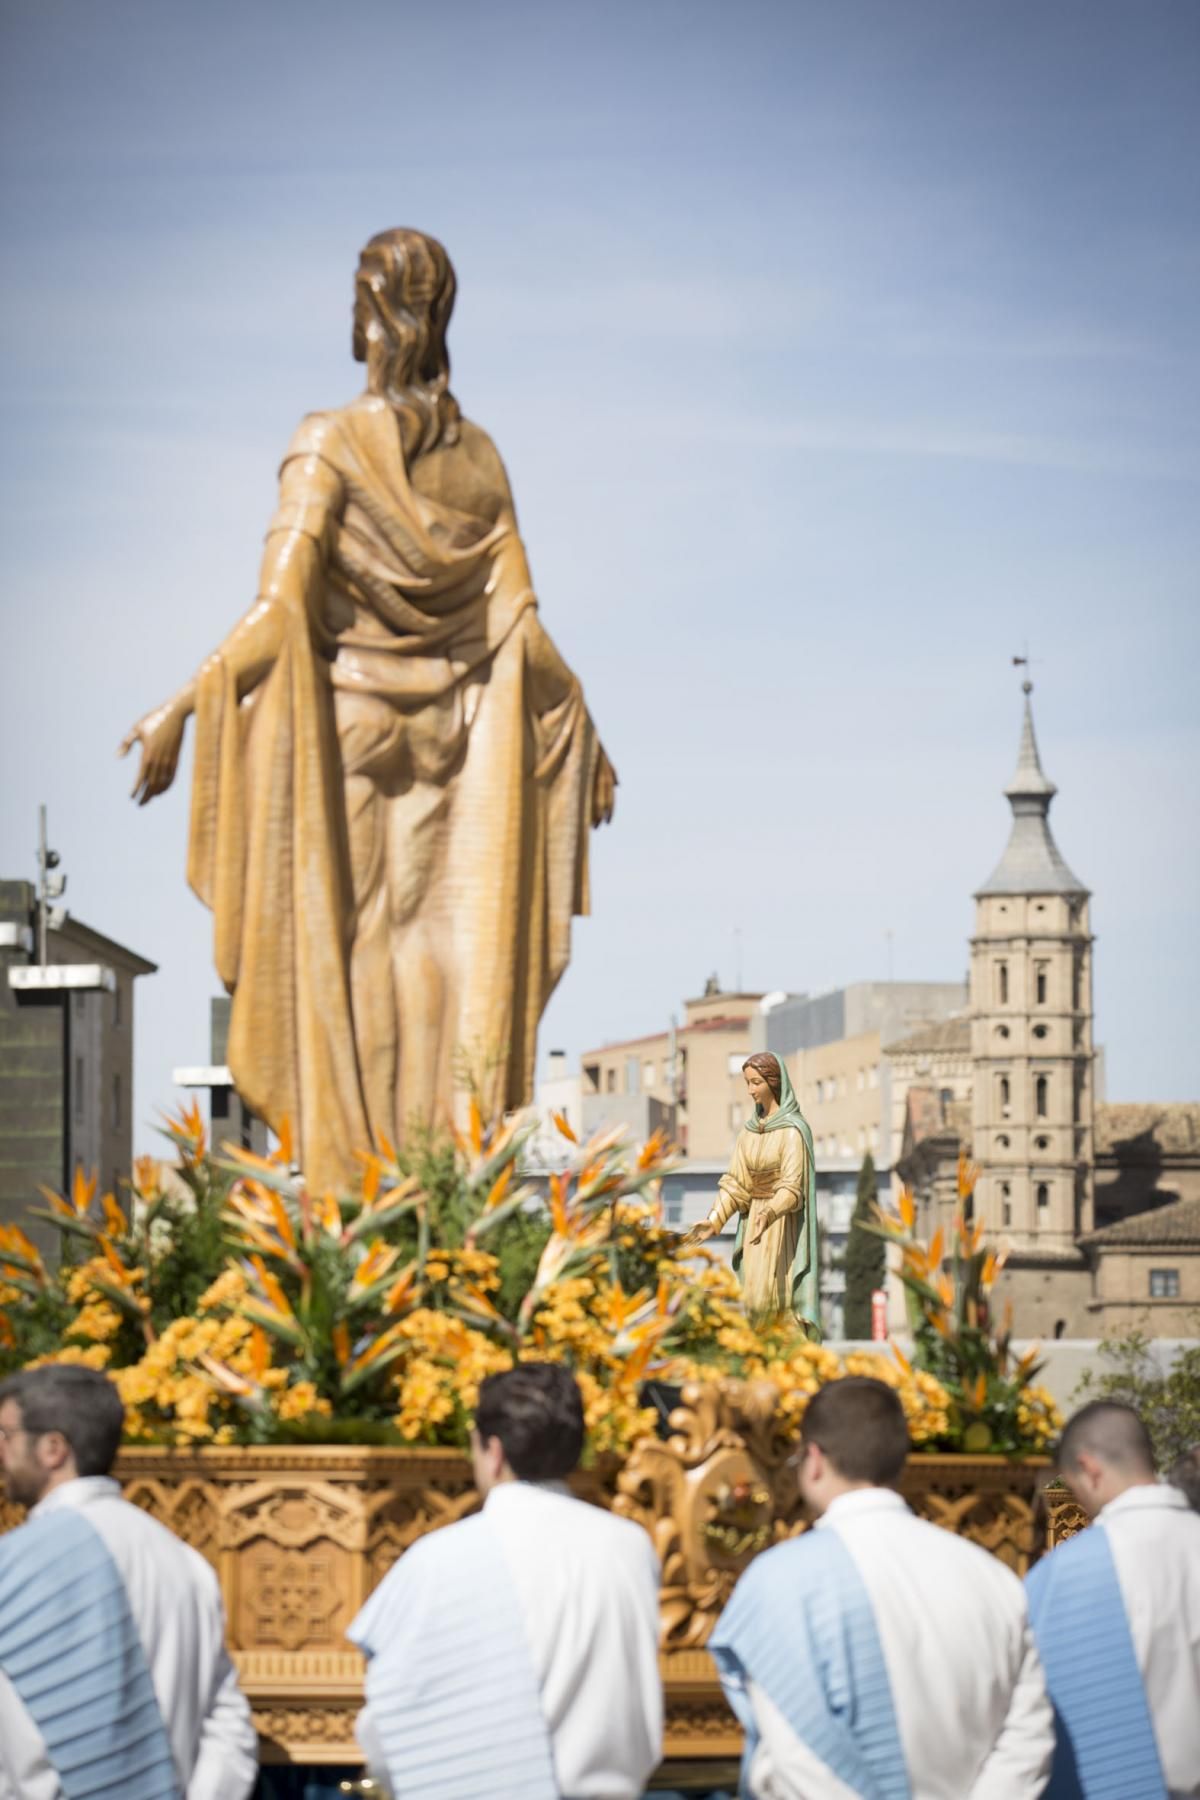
(299, 1399)
(98, 1321)
(96, 1356)
(228, 1290)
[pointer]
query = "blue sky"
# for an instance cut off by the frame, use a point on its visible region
(835, 352)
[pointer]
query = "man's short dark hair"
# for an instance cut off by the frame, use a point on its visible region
(82, 1404)
(1111, 1431)
(859, 1423)
(536, 1410)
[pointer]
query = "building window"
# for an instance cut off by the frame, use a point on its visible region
(1041, 1143)
(1041, 978)
(1005, 1203)
(1005, 1097)
(1002, 1031)
(610, 1081)
(1043, 1197)
(1041, 1031)
(78, 1088)
(1002, 983)
(1164, 1284)
(1002, 1142)
(116, 1101)
(1041, 1095)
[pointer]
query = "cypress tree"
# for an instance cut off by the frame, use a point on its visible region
(865, 1261)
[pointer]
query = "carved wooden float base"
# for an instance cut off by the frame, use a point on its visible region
(299, 1536)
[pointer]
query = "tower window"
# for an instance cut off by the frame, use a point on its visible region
(1041, 1031)
(1005, 1096)
(1043, 1196)
(1041, 978)
(1003, 1141)
(1164, 1284)
(1041, 1092)
(1002, 983)
(1002, 1031)
(1005, 1203)
(1041, 1143)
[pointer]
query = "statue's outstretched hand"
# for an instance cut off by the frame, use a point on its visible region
(604, 790)
(160, 735)
(700, 1234)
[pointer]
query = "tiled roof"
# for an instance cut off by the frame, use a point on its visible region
(1171, 1129)
(941, 1034)
(1176, 1226)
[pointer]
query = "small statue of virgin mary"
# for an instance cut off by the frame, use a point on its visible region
(771, 1185)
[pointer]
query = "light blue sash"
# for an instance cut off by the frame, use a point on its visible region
(70, 1648)
(800, 1627)
(451, 1687)
(1105, 1748)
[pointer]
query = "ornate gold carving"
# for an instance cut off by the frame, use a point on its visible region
(1065, 1518)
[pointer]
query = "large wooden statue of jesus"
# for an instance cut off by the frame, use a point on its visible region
(395, 772)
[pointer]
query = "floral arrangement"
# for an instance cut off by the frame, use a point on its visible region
(993, 1402)
(233, 1306)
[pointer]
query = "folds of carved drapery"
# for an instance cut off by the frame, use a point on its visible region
(269, 849)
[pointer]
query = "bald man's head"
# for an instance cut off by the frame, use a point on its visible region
(1104, 1449)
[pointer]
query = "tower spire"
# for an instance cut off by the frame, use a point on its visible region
(1032, 862)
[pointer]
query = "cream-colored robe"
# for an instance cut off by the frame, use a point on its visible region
(769, 1169)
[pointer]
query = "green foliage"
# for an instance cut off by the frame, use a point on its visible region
(518, 1246)
(187, 1242)
(45, 1319)
(865, 1261)
(1169, 1403)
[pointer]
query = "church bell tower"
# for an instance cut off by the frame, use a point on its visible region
(1031, 1029)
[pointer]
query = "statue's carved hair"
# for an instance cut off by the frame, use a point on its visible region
(410, 282)
(768, 1067)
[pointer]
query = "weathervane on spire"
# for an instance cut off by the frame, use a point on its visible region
(1024, 662)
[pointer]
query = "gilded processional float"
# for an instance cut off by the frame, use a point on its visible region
(395, 782)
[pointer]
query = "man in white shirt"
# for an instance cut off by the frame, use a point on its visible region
(1116, 1612)
(113, 1667)
(515, 1653)
(877, 1655)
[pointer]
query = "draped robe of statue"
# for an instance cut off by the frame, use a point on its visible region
(392, 828)
(773, 1169)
